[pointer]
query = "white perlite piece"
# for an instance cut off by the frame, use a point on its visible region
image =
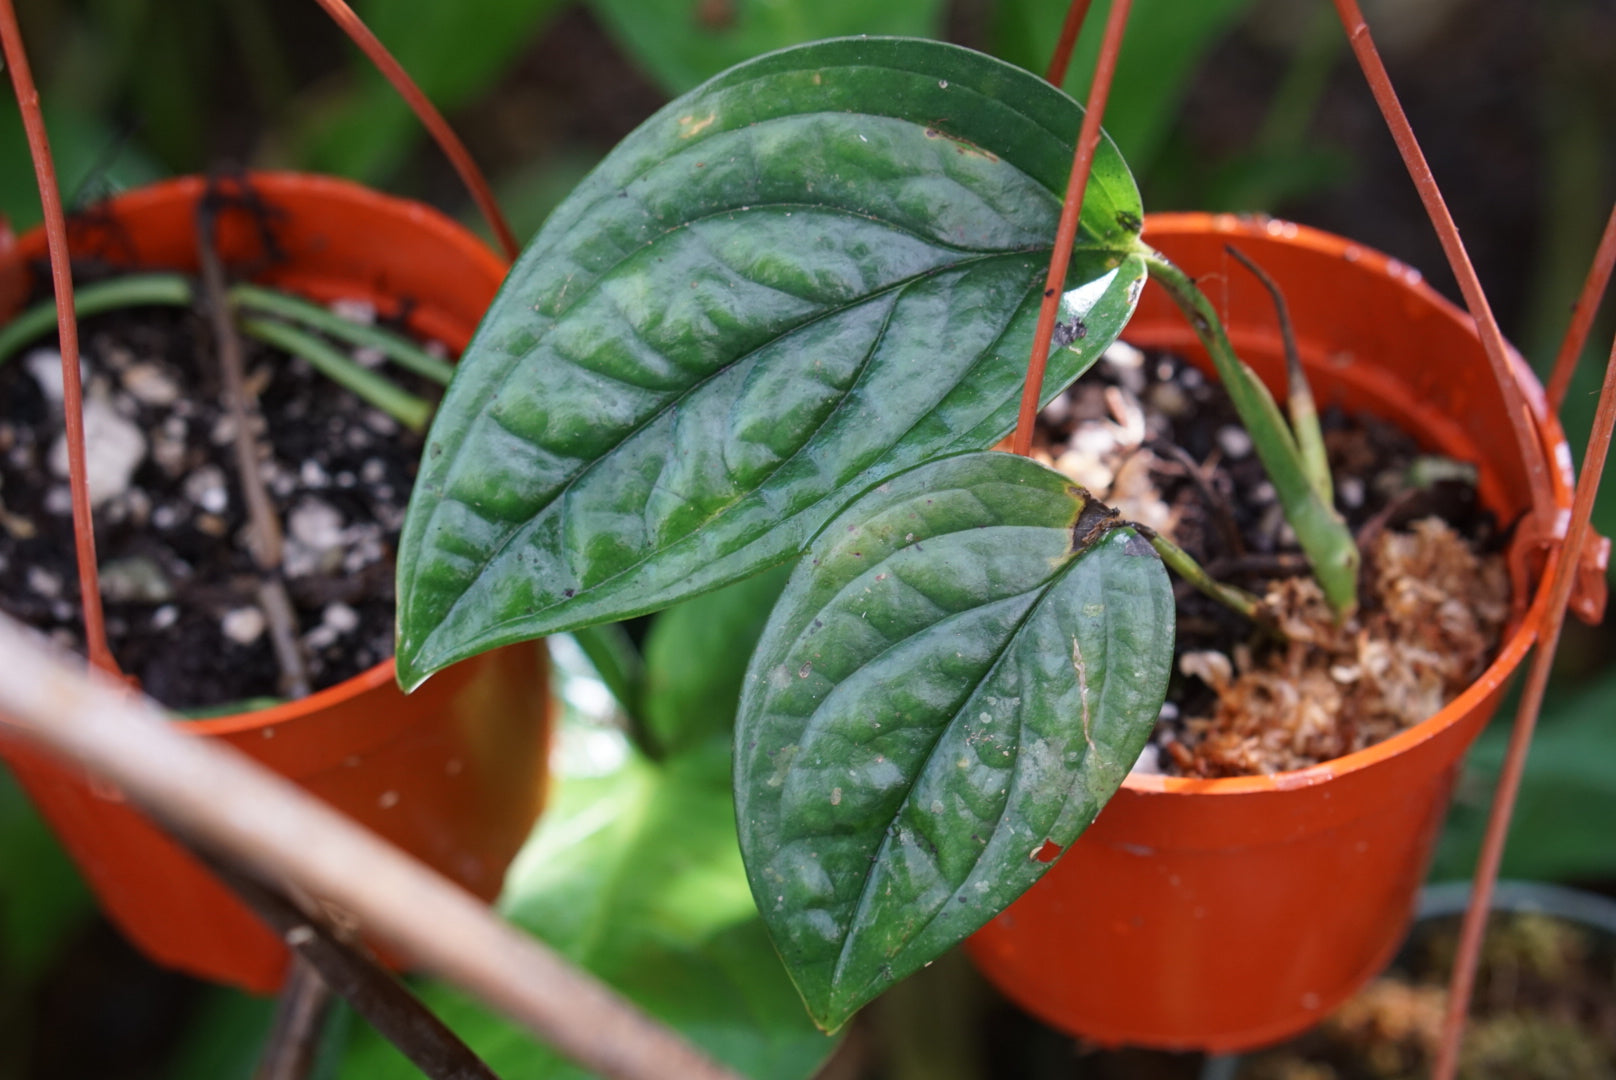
(113, 450)
(45, 365)
(149, 385)
(244, 625)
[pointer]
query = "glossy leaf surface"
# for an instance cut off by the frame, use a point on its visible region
(819, 268)
(949, 682)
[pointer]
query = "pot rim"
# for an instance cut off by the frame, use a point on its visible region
(284, 183)
(1550, 437)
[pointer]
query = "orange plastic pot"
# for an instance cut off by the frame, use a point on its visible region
(453, 774)
(1224, 914)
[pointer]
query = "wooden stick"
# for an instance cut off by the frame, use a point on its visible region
(50, 201)
(269, 826)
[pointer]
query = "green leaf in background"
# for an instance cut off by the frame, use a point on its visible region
(1564, 815)
(962, 670)
(815, 270)
(1165, 42)
(92, 158)
(694, 662)
(43, 901)
(453, 51)
(680, 43)
(636, 877)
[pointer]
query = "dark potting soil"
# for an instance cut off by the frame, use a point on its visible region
(1157, 439)
(178, 582)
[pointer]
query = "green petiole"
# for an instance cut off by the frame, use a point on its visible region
(401, 351)
(340, 368)
(141, 290)
(176, 290)
(1323, 535)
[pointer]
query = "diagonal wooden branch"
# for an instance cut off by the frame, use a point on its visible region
(279, 832)
(50, 200)
(326, 958)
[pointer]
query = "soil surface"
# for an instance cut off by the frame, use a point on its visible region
(179, 585)
(1158, 440)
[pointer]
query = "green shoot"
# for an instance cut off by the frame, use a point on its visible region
(1323, 535)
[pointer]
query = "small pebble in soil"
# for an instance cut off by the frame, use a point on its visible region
(243, 625)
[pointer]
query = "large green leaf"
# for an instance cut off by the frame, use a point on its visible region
(683, 42)
(962, 670)
(815, 270)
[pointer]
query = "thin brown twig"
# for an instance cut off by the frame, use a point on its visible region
(453, 149)
(1088, 141)
(1436, 208)
(50, 200)
(1463, 981)
(263, 523)
(300, 1016)
(1582, 316)
(1077, 12)
(1218, 507)
(350, 970)
(281, 833)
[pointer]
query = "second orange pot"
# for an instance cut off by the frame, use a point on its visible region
(1224, 914)
(454, 773)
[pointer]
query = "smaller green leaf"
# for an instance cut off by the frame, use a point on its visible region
(962, 670)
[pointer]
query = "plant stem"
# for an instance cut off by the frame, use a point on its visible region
(1304, 411)
(406, 408)
(1323, 536)
(400, 350)
(1184, 565)
(172, 290)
